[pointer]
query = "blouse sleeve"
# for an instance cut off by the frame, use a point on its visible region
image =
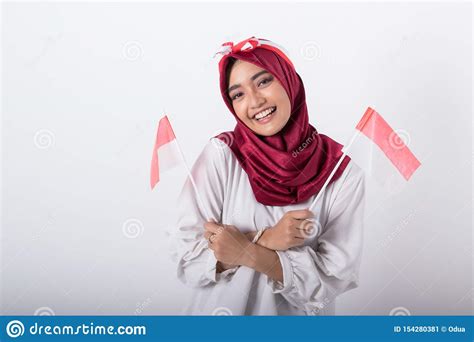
(196, 263)
(312, 278)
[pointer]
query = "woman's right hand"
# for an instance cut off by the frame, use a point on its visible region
(291, 231)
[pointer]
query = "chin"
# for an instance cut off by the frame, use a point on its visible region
(268, 132)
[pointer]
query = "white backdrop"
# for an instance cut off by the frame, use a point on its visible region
(83, 87)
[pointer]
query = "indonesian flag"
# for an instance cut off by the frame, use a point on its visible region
(166, 153)
(382, 151)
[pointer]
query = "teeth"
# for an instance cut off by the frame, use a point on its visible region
(264, 113)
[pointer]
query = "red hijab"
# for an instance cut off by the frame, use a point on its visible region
(292, 165)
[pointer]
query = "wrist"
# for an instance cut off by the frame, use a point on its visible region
(249, 256)
(263, 240)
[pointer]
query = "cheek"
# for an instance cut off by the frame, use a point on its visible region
(239, 109)
(278, 94)
(284, 101)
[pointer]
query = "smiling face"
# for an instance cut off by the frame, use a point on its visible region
(258, 98)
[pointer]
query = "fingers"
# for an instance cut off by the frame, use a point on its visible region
(207, 236)
(300, 214)
(299, 233)
(305, 228)
(212, 227)
(293, 242)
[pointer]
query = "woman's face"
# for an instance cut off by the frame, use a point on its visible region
(258, 98)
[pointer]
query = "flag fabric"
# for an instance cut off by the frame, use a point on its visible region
(166, 152)
(379, 149)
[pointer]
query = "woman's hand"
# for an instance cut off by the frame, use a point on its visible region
(228, 244)
(291, 231)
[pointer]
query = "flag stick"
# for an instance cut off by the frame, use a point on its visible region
(208, 217)
(354, 136)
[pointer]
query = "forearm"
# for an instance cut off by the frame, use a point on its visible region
(263, 260)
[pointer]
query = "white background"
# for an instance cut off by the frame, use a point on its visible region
(84, 85)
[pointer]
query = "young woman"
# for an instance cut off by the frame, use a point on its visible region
(248, 243)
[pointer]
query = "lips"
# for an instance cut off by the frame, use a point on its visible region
(264, 113)
(266, 119)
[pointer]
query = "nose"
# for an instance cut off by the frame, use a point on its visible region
(256, 100)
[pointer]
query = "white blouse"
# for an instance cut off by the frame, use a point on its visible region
(314, 274)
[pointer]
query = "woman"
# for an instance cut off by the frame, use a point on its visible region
(261, 251)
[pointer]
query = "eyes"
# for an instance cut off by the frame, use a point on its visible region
(264, 82)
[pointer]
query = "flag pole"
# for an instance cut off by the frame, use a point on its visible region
(346, 148)
(188, 170)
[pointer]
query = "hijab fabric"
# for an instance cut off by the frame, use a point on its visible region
(292, 165)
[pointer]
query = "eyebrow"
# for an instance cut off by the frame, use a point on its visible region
(252, 78)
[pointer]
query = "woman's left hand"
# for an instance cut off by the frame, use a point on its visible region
(228, 243)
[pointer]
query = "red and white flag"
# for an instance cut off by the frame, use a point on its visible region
(382, 151)
(166, 152)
